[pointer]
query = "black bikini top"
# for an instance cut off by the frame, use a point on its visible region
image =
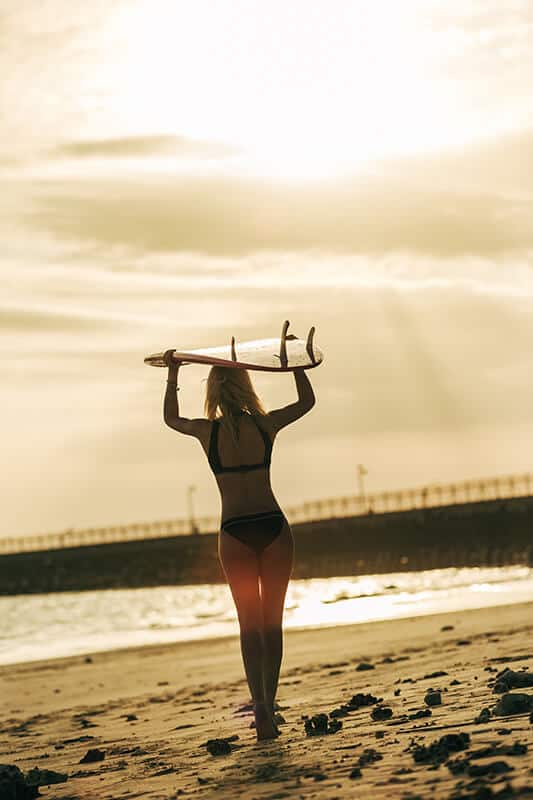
(214, 460)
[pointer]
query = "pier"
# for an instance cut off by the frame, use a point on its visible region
(358, 505)
(334, 537)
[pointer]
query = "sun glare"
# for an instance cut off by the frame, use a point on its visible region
(301, 91)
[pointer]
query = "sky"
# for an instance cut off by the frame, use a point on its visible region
(176, 173)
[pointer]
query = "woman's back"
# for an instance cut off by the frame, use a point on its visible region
(249, 452)
(242, 467)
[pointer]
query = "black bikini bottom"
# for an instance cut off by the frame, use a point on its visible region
(256, 531)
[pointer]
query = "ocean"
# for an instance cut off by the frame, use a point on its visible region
(35, 627)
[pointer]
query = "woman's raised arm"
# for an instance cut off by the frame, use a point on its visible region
(281, 417)
(171, 411)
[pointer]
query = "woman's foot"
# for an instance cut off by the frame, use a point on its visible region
(265, 726)
(277, 718)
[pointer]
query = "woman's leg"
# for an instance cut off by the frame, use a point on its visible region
(241, 568)
(275, 566)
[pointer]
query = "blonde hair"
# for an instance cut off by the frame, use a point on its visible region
(230, 390)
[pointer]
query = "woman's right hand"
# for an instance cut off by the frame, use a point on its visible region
(169, 360)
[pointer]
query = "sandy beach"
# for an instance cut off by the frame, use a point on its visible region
(136, 722)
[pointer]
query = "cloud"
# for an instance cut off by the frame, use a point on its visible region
(497, 165)
(474, 201)
(8, 162)
(142, 146)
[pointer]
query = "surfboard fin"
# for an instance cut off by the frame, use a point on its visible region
(233, 351)
(283, 345)
(309, 345)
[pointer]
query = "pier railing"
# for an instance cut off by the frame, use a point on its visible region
(427, 496)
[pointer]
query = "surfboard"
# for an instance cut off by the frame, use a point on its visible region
(280, 354)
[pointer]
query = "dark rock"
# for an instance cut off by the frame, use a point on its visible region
(13, 785)
(93, 755)
(164, 771)
(458, 766)
(356, 773)
(316, 725)
(513, 703)
(483, 792)
(508, 679)
(447, 628)
(137, 751)
(267, 772)
(483, 716)
(516, 749)
(379, 734)
(218, 747)
(342, 711)
(364, 665)
(381, 713)
(44, 777)
(503, 731)
(87, 723)
(360, 700)
(437, 674)
(315, 775)
(433, 699)
(334, 726)
(357, 701)
(86, 738)
(397, 692)
(88, 660)
(394, 660)
(369, 756)
(425, 712)
(508, 659)
(439, 750)
(493, 768)
(455, 682)
(319, 725)
(129, 717)
(463, 642)
(464, 765)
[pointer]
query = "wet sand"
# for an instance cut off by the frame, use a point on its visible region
(407, 725)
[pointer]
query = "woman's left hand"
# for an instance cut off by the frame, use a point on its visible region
(169, 360)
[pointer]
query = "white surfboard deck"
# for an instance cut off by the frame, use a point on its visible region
(269, 355)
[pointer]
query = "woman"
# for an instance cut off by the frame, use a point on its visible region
(255, 542)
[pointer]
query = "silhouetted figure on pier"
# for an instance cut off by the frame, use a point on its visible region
(255, 541)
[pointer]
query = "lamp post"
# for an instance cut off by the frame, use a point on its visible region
(361, 472)
(192, 523)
